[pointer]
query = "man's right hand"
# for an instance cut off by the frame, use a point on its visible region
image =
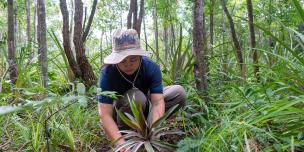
(125, 150)
(109, 125)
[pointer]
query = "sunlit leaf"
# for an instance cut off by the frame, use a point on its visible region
(81, 89)
(9, 109)
(83, 101)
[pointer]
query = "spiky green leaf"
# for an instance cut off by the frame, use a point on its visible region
(128, 122)
(149, 147)
(164, 117)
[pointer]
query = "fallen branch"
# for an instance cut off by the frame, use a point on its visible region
(20, 149)
(1, 146)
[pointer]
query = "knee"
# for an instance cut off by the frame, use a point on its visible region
(180, 91)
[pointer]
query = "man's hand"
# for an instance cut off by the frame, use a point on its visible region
(109, 125)
(121, 141)
(158, 106)
(125, 150)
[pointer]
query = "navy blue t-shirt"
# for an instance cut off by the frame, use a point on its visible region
(149, 79)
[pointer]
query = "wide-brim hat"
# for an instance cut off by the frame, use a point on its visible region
(125, 43)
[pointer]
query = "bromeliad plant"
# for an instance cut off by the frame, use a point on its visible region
(145, 134)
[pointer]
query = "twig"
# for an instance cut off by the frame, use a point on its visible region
(1, 146)
(19, 150)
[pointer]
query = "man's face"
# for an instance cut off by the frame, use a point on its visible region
(130, 64)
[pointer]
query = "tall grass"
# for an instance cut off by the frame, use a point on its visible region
(74, 128)
(268, 117)
(258, 116)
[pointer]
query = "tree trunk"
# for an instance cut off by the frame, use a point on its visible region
(72, 20)
(28, 19)
(11, 42)
(130, 14)
(271, 60)
(155, 28)
(133, 14)
(140, 17)
(252, 39)
(87, 28)
(135, 9)
(145, 33)
(42, 42)
(224, 63)
(35, 21)
(235, 41)
(85, 19)
(172, 39)
(67, 41)
(211, 25)
(198, 47)
(16, 28)
(166, 44)
(205, 46)
(88, 75)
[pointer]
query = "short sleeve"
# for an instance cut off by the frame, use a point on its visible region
(156, 80)
(104, 84)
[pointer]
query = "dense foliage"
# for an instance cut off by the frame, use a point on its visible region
(250, 114)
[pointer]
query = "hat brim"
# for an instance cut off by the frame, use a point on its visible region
(117, 57)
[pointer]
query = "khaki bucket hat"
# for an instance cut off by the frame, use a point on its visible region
(125, 43)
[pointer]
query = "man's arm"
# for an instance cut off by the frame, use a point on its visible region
(109, 125)
(158, 106)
